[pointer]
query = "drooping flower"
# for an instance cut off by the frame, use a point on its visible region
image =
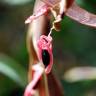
(45, 52)
(37, 72)
(49, 5)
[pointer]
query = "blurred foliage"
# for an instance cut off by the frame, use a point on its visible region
(15, 2)
(75, 44)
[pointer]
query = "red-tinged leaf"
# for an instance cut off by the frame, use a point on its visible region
(55, 87)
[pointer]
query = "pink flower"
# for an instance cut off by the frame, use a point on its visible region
(45, 54)
(37, 71)
(45, 58)
(42, 10)
(48, 5)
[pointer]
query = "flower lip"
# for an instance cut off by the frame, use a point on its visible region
(45, 54)
(45, 57)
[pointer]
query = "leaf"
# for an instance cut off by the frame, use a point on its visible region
(80, 74)
(12, 70)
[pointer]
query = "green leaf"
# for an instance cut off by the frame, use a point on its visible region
(13, 70)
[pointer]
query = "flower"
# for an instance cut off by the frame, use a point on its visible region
(45, 52)
(49, 5)
(37, 72)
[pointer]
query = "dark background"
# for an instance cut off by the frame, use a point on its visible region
(73, 47)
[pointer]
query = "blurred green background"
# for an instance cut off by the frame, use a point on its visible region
(74, 51)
